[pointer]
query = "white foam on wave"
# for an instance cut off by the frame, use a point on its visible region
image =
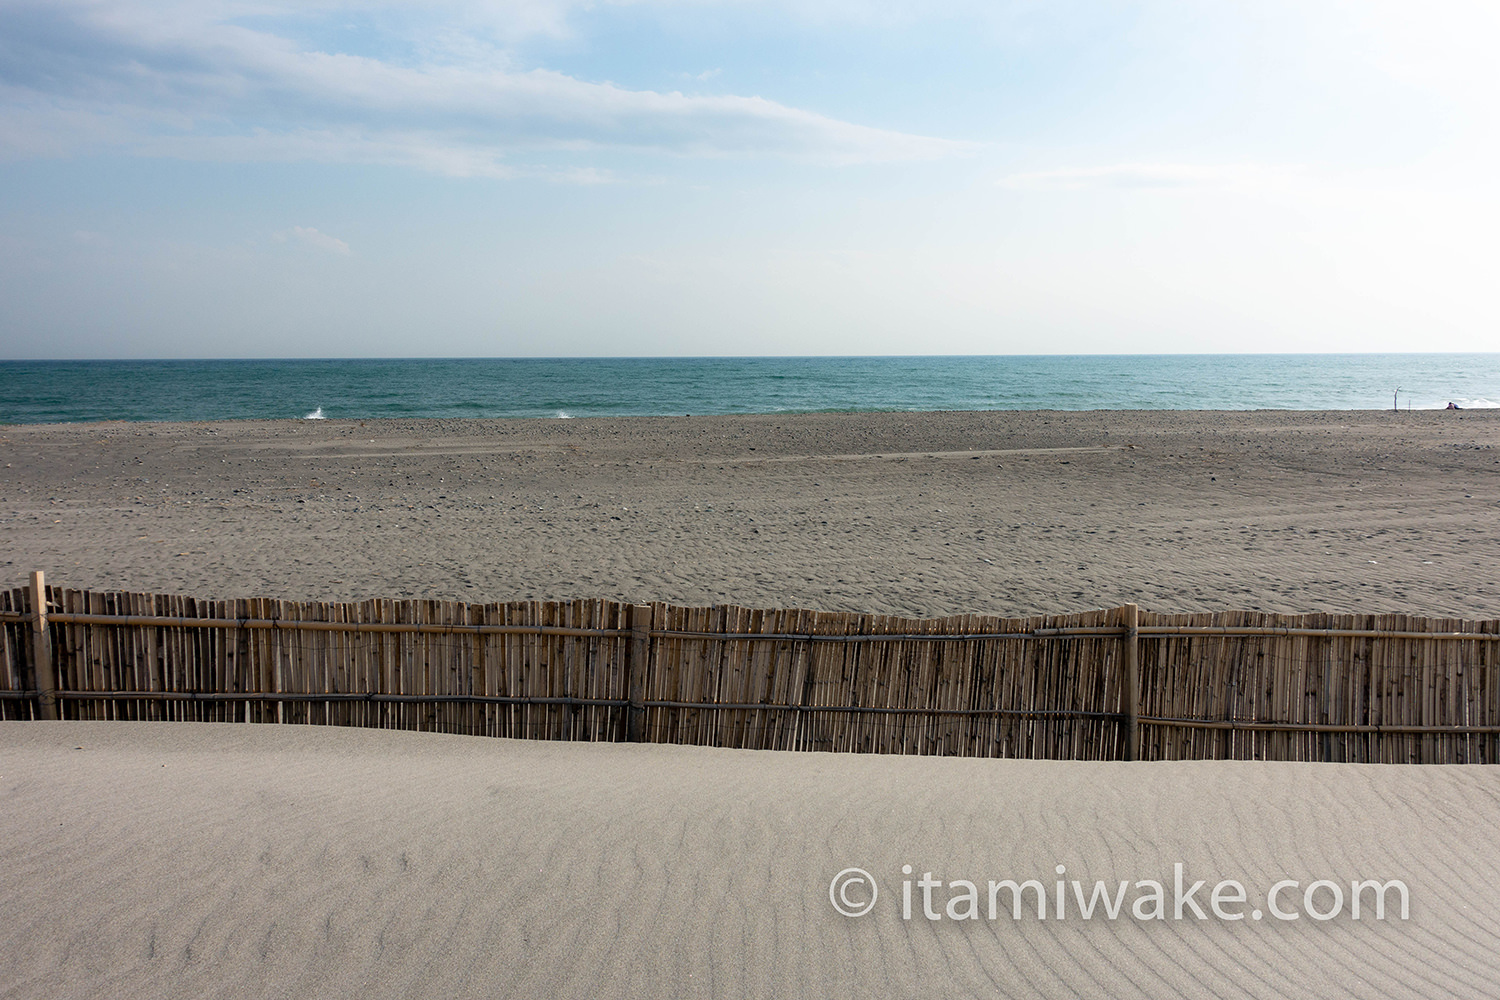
(315, 415)
(564, 415)
(1463, 404)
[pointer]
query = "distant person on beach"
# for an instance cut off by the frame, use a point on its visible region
(1454, 406)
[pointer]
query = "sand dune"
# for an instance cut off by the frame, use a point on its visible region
(186, 860)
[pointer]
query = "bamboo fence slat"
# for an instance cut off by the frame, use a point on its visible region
(1225, 685)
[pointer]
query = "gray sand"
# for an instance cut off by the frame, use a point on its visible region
(181, 860)
(916, 514)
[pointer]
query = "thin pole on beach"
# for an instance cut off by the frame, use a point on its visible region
(638, 662)
(1130, 690)
(41, 645)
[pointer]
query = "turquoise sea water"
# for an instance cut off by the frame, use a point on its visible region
(57, 391)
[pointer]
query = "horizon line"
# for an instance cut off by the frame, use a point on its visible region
(743, 357)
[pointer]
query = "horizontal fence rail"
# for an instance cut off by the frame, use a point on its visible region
(295, 624)
(1100, 685)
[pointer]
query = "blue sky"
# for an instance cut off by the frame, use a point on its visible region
(229, 178)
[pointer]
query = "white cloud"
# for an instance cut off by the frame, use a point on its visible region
(432, 152)
(1235, 177)
(310, 237)
(194, 81)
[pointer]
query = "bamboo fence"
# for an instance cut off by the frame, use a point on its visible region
(1099, 685)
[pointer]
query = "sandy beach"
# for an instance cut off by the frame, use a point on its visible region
(906, 513)
(189, 860)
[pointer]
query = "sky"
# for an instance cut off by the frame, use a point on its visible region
(522, 178)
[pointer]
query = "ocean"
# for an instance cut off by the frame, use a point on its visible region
(66, 391)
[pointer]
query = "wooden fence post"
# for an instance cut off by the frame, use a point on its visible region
(1131, 688)
(41, 648)
(638, 664)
